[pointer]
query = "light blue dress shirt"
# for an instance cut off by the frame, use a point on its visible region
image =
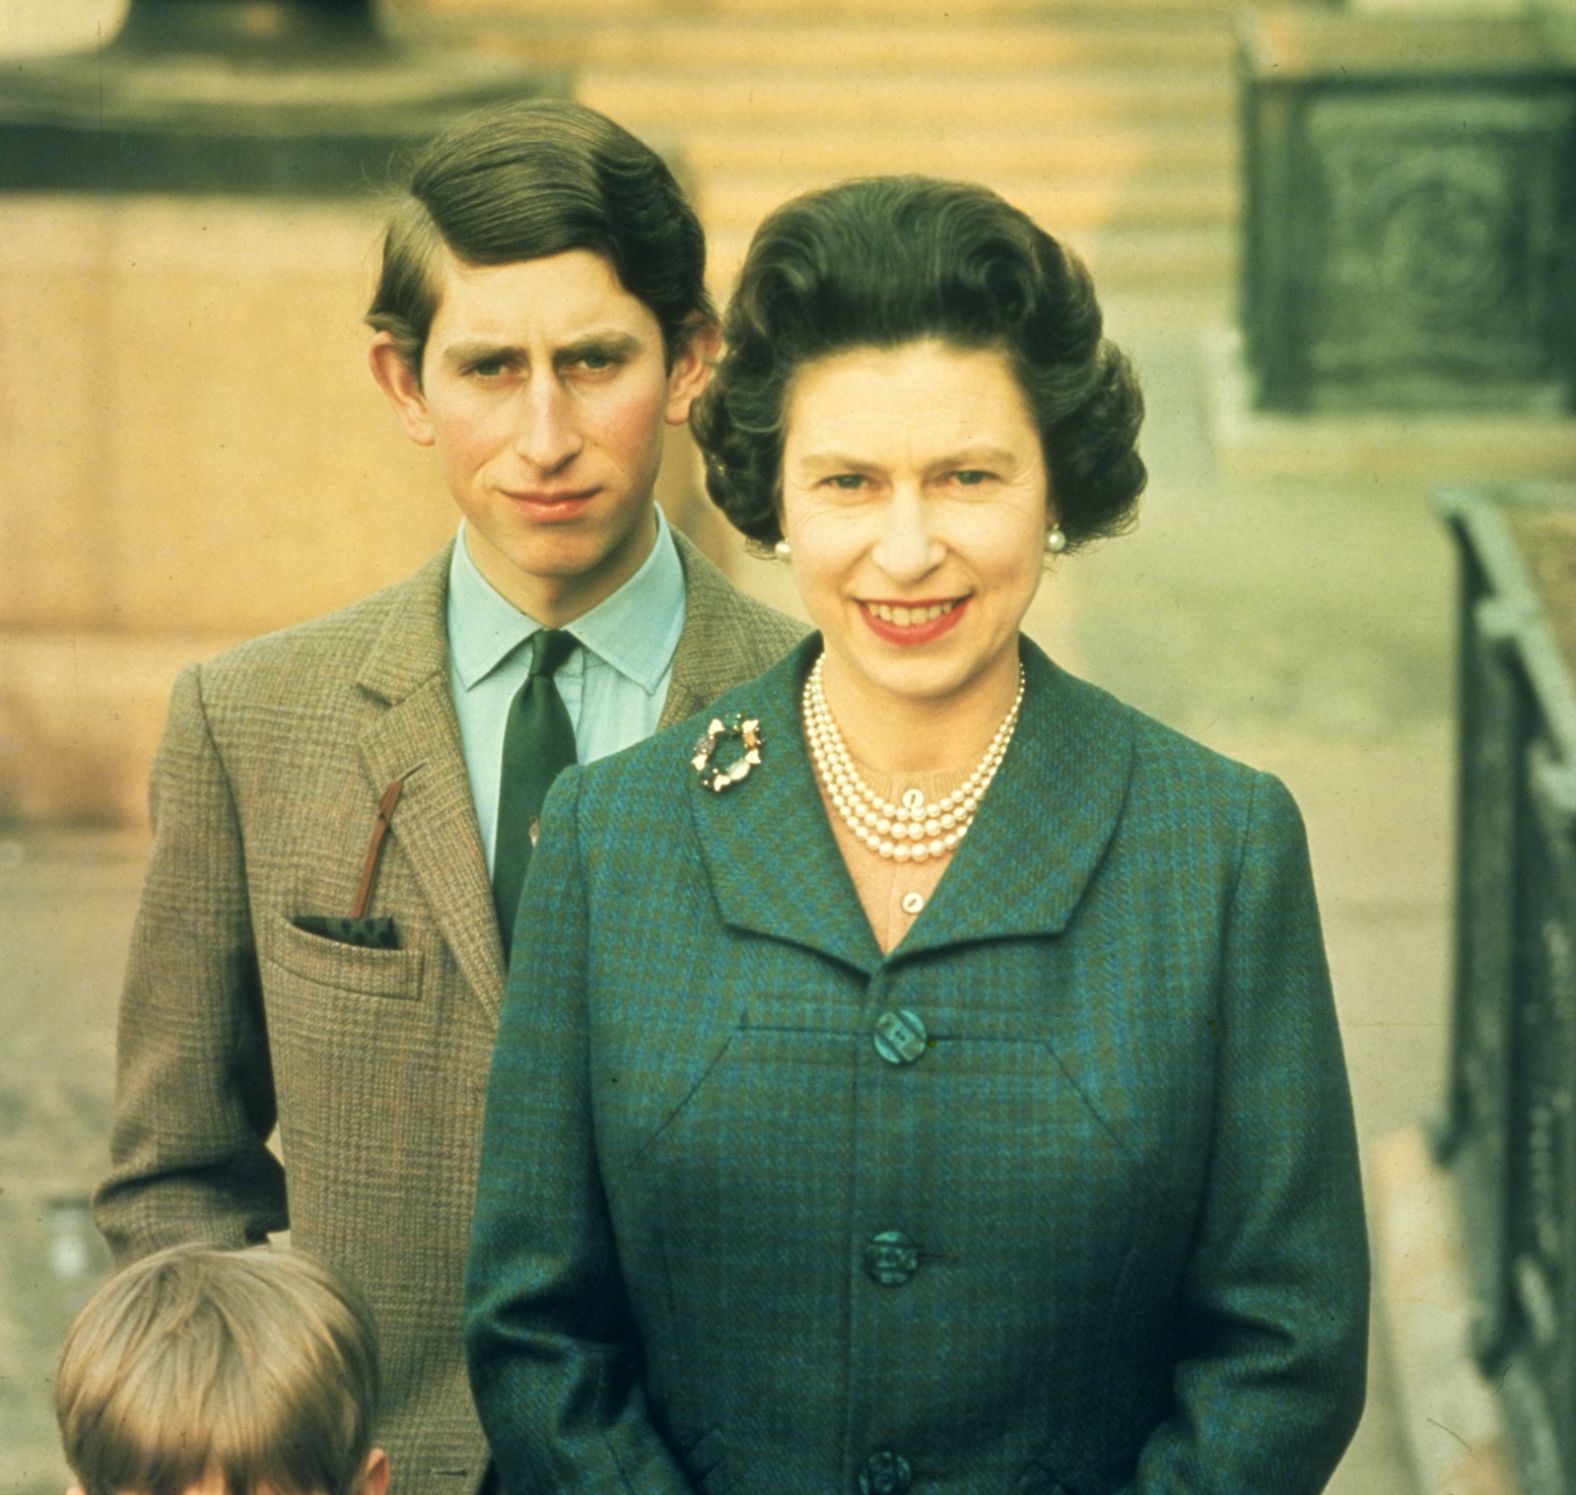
(613, 685)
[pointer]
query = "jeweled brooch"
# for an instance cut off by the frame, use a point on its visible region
(715, 775)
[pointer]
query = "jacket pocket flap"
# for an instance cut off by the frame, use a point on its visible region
(347, 967)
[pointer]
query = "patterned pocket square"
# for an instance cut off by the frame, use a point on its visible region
(375, 934)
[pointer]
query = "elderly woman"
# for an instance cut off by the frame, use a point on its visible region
(929, 1079)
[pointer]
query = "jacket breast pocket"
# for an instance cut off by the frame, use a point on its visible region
(394, 974)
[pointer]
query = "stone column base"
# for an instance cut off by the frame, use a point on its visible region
(1362, 446)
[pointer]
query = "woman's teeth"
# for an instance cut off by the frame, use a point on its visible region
(908, 617)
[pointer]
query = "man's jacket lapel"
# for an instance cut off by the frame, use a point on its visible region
(418, 738)
(720, 642)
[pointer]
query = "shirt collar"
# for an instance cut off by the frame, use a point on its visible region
(635, 630)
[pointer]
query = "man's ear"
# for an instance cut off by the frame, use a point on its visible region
(375, 1477)
(401, 384)
(691, 369)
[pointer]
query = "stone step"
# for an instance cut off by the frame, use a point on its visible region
(977, 152)
(1185, 261)
(679, 99)
(1112, 123)
(832, 12)
(1122, 40)
(1068, 202)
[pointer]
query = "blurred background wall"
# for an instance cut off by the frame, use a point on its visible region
(192, 452)
(191, 448)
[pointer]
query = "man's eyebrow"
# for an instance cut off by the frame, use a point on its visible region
(474, 350)
(612, 342)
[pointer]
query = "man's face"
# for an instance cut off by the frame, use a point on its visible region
(545, 387)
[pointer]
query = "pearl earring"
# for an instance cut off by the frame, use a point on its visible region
(782, 550)
(1055, 540)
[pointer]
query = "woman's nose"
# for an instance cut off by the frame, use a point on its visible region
(907, 548)
(548, 436)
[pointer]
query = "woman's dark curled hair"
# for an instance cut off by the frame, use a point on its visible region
(885, 261)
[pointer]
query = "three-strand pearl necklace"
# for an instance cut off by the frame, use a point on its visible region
(916, 829)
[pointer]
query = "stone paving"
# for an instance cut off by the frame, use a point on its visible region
(1303, 626)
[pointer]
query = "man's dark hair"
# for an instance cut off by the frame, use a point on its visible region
(885, 261)
(523, 181)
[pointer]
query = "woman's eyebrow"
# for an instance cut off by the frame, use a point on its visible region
(833, 462)
(975, 456)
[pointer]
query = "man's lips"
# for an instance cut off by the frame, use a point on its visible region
(916, 622)
(551, 503)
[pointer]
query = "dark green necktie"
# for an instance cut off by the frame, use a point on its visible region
(538, 741)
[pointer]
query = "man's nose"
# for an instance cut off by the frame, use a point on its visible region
(548, 436)
(907, 548)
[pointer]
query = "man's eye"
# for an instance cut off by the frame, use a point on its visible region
(595, 361)
(488, 368)
(848, 482)
(971, 477)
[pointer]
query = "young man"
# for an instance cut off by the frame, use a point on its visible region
(344, 810)
(204, 1372)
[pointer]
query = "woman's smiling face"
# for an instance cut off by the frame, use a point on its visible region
(914, 496)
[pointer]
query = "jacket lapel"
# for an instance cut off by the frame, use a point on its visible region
(418, 737)
(1046, 822)
(710, 647)
(774, 866)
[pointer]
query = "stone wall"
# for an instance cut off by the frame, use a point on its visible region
(50, 25)
(194, 453)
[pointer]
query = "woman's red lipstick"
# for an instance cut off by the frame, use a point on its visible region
(909, 635)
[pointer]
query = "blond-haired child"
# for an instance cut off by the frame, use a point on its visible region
(197, 1371)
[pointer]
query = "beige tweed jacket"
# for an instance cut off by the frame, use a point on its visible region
(372, 1062)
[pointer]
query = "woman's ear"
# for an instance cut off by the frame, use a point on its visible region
(402, 386)
(691, 369)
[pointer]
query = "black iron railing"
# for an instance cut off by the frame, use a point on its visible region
(1509, 1129)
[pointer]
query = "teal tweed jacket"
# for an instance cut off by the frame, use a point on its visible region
(1099, 1231)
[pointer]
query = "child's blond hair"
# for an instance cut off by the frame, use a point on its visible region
(259, 1365)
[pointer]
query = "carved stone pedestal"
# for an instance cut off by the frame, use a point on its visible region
(304, 97)
(1410, 219)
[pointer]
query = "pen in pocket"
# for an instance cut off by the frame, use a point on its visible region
(380, 829)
